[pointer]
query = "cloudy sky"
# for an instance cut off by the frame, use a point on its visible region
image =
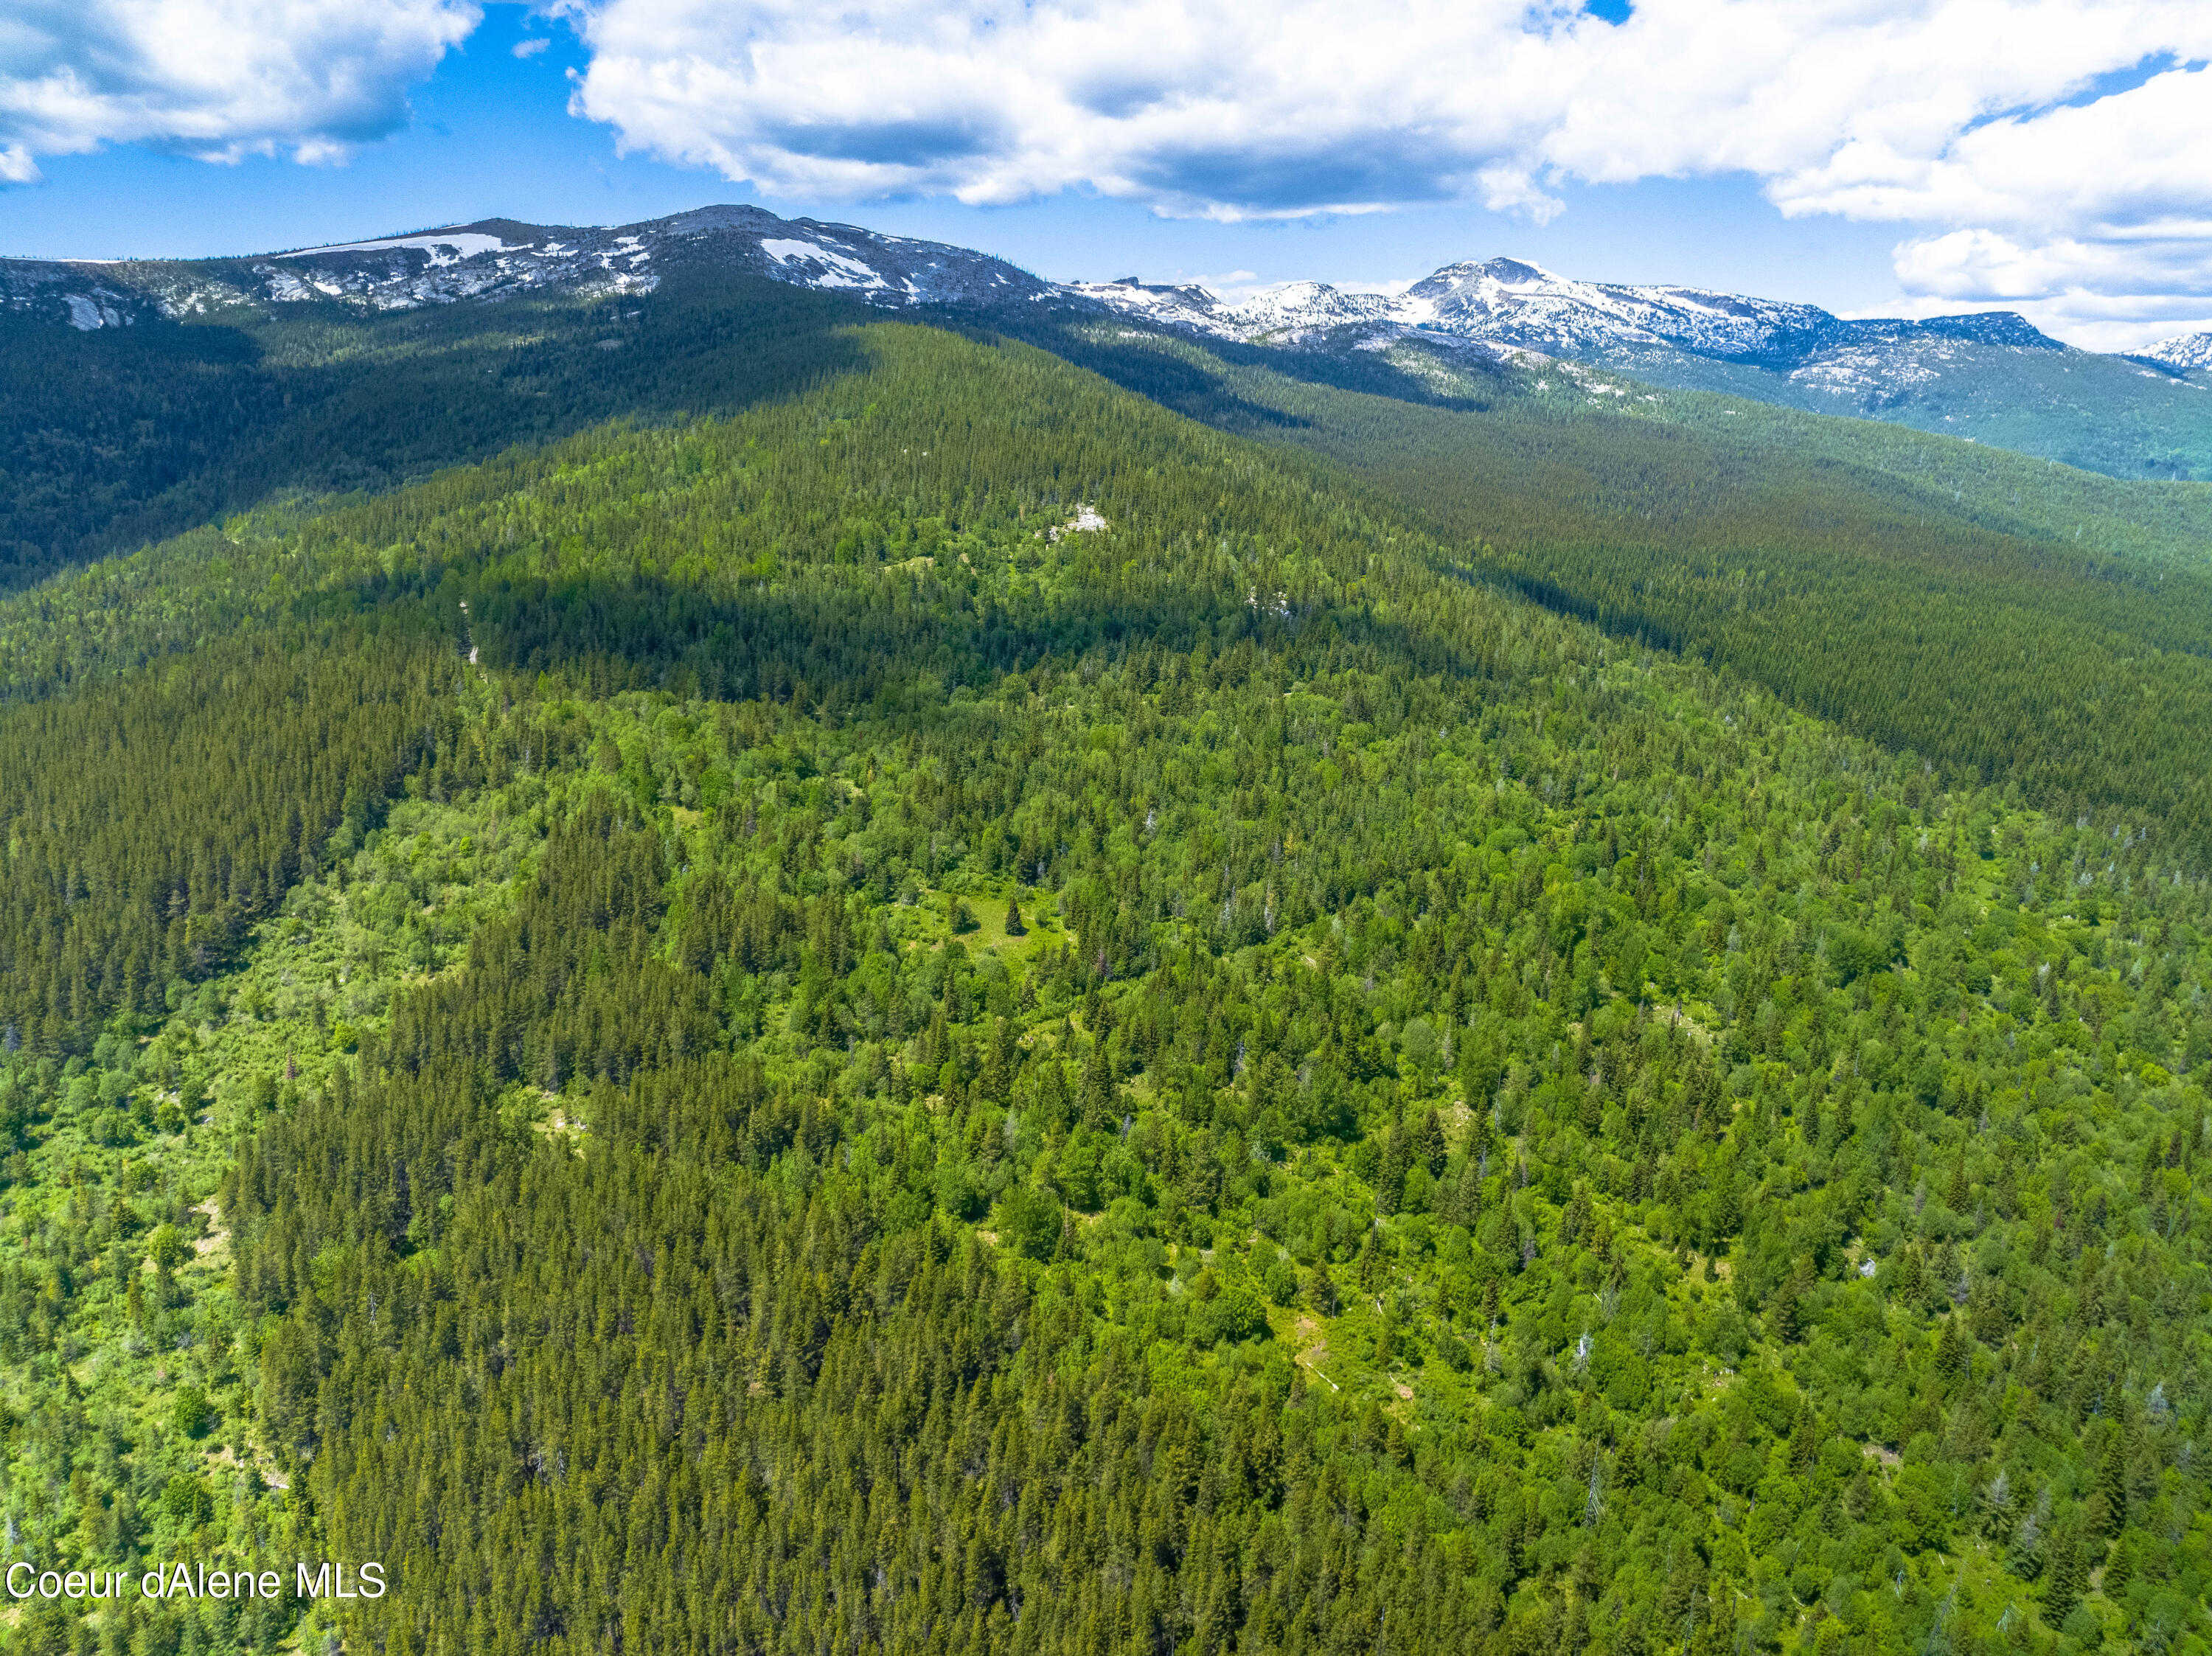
(1914, 157)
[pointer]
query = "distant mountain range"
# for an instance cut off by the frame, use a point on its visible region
(2183, 352)
(1990, 377)
(1505, 301)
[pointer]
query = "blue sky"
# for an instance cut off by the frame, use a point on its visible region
(1182, 146)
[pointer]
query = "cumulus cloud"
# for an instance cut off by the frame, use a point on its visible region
(216, 79)
(2095, 218)
(1234, 109)
(2116, 293)
(1911, 109)
(2070, 133)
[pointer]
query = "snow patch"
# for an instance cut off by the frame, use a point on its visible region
(840, 271)
(2188, 351)
(457, 243)
(283, 287)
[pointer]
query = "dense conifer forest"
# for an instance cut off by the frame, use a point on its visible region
(943, 1010)
(2007, 617)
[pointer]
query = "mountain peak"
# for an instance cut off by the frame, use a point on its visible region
(1991, 328)
(1502, 271)
(1796, 353)
(2183, 351)
(493, 258)
(1516, 270)
(1516, 303)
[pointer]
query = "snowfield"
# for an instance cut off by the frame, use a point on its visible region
(445, 247)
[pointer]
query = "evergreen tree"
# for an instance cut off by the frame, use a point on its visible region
(1320, 1292)
(1431, 1150)
(2067, 1576)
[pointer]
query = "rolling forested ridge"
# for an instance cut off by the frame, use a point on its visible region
(900, 998)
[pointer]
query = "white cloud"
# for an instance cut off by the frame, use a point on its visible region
(531, 48)
(2117, 294)
(1977, 116)
(1986, 264)
(2095, 219)
(1912, 109)
(2130, 160)
(1236, 109)
(217, 79)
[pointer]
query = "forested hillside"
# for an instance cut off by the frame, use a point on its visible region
(115, 437)
(1927, 595)
(2108, 415)
(950, 1011)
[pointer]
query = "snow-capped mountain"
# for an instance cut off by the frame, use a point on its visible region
(1508, 303)
(498, 258)
(1290, 313)
(1511, 302)
(1502, 303)
(1991, 376)
(2185, 352)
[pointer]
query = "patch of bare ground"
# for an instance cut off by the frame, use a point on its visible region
(217, 1236)
(229, 1459)
(1724, 1269)
(552, 1119)
(1309, 1347)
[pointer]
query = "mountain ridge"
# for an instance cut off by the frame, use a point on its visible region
(475, 260)
(872, 967)
(1988, 376)
(1518, 303)
(541, 1018)
(1501, 300)
(2183, 351)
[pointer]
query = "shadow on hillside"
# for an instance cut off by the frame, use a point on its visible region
(320, 400)
(97, 424)
(839, 650)
(1173, 372)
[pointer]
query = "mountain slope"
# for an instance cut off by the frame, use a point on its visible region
(140, 398)
(499, 258)
(1989, 377)
(127, 433)
(908, 1064)
(2185, 352)
(1857, 552)
(1869, 580)
(1876, 594)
